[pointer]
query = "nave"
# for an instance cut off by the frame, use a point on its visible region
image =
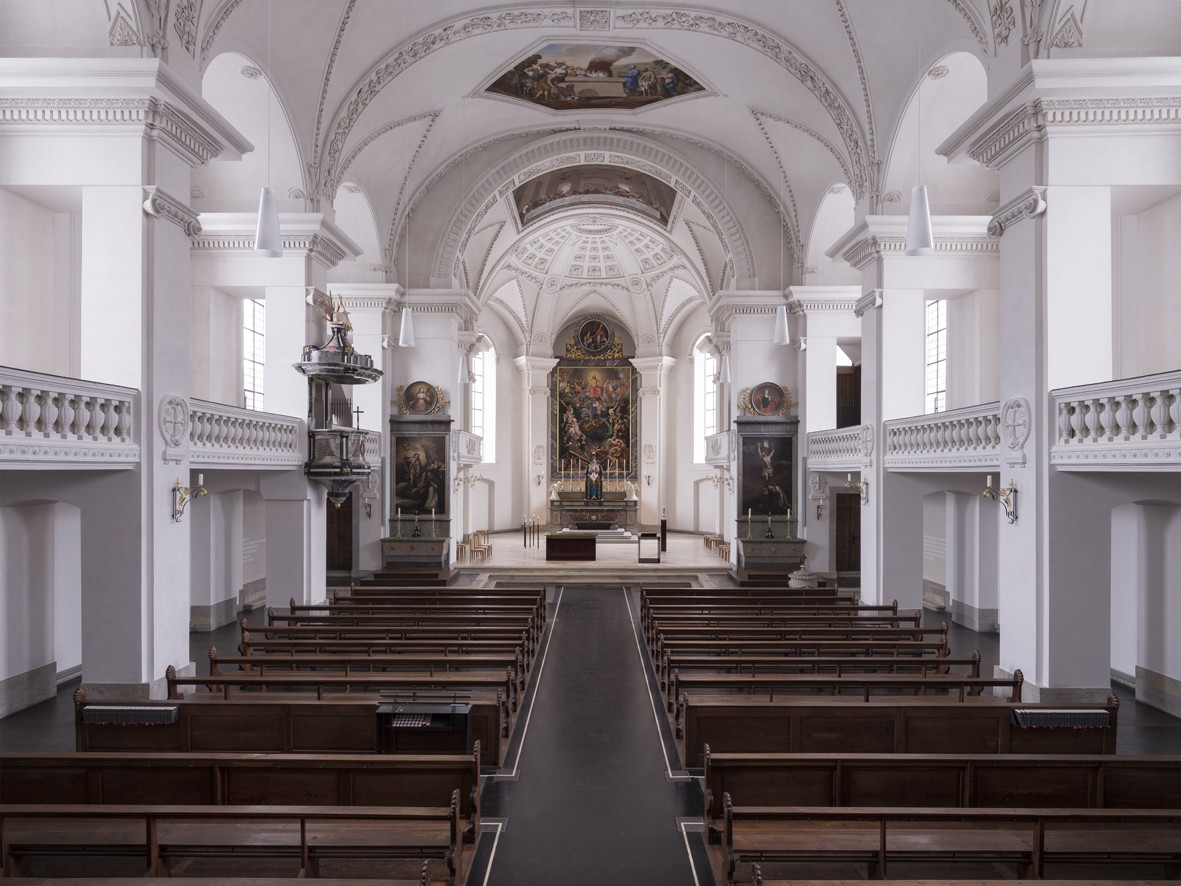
(591, 790)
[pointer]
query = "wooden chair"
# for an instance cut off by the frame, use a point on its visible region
(724, 550)
(463, 549)
(481, 547)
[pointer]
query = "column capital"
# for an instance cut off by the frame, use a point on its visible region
(815, 299)
(871, 301)
(750, 302)
(459, 302)
(382, 297)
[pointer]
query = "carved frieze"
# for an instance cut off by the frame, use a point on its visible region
(160, 204)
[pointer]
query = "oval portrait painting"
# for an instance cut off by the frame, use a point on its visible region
(767, 398)
(420, 398)
(594, 336)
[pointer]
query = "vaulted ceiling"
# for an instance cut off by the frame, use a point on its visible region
(399, 117)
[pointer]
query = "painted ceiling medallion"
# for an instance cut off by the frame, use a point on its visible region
(594, 185)
(582, 76)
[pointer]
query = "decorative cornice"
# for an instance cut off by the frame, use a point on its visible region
(158, 118)
(887, 238)
(1025, 205)
(160, 204)
(1034, 120)
(871, 301)
(817, 302)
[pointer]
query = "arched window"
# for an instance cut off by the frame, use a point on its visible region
(705, 396)
(483, 395)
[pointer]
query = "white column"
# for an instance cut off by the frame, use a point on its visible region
(535, 395)
(655, 450)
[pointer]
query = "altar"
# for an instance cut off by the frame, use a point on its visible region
(571, 511)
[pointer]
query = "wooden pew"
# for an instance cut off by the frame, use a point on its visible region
(161, 834)
(1092, 781)
(194, 779)
(980, 725)
(257, 644)
(1027, 838)
(739, 663)
(943, 687)
(387, 632)
(428, 625)
(347, 663)
(677, 625)
(502, 684)
(377, 596)
(282, 723)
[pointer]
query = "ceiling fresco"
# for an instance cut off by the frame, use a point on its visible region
(594, 185)
(582, 76)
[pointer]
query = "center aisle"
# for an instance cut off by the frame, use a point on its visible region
(592, 802)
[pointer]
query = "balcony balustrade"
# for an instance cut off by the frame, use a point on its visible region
(48, 421)
(960, 439)
(837, 450)
(233, 437)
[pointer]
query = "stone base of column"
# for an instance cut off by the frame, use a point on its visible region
(210, 618)
(25, 690)
(130, 691)
(1158, 690)
(1031, 693)
(983, 621)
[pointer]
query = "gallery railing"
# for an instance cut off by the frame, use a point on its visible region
(48, 420)
(1133, 424)
(837, 450)
(234, 437)
(967, 439)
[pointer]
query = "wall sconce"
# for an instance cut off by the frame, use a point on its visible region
(540, 479)
(182, 495)
(368, 504)
(862, 486)
(648, 479)
(820, 510)
(721, 478)
(467, 480)
(1006, 497)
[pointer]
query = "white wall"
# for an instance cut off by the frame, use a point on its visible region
(1147, 278)
(973, 336)
(935, 538)
(216, 346)
(39, 331)
(254, 537)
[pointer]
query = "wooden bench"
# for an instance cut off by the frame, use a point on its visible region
(161, 834)
(194, 779)
(255, 644)
(980, 725)
(441, 624)
(270, 723)
(682, 609)
(387, 632)
(1092, 781)
(427, 663)
(741, 662)
(1027, 838)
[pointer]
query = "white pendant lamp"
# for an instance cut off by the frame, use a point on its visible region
(724, 372)
(919, 239)
(463, 376)
(266, 236)
(781, 336)
(406, 336)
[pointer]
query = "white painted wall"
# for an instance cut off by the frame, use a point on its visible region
(40, 308)
(973, 330)
(216, 346)
(254, 537)
(1127, 584)
(935, 538)
(1147, 280)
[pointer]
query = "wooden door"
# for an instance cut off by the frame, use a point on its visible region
(848, 532)
(338, 554)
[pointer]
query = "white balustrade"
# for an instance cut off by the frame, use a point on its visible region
(372, 446)
(468, 447)
(719, 448)
(231, 436)
(959, 439)
(48, 421)
(1133, 424)
(838, 450)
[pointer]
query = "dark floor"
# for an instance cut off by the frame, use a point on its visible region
(590, 793)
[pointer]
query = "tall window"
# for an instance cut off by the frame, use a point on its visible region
(254, 352)
(705, 398)
(936, 356)
(483, 398)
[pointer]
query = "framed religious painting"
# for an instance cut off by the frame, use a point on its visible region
(767, 398)
(420, 474)
(420, 398)
(766, 467)
(594, 337)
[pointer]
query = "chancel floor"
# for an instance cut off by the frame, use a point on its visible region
(591, 790)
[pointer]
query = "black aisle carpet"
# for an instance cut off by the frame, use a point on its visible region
(591, 802)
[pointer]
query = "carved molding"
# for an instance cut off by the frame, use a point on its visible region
(160, 204)
(817, 487)
(870, 301)
(1027, 205)
(1004, 22)
(158, 118)
(1032, 120)
(185, 15)
(220, 16)
(1069, 33)
(1016, 423)
(875, 246)
(594, 19)
(964, 9)
(815, 303)
(173, 419)
(122, 32)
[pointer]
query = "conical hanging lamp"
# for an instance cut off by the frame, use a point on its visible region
(406, 335)
(781, 336)
(919, 238)
(463, 377)
(724, 372)
(267, 240)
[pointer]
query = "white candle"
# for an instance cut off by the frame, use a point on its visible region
(988, 482)
(200, 479)
(432, 513)
(399, 513)
(748, 512)
(789, 513)
(849, 479)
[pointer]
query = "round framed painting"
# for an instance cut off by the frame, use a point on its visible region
(594, 336)
(767, 398)
(420, 398)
